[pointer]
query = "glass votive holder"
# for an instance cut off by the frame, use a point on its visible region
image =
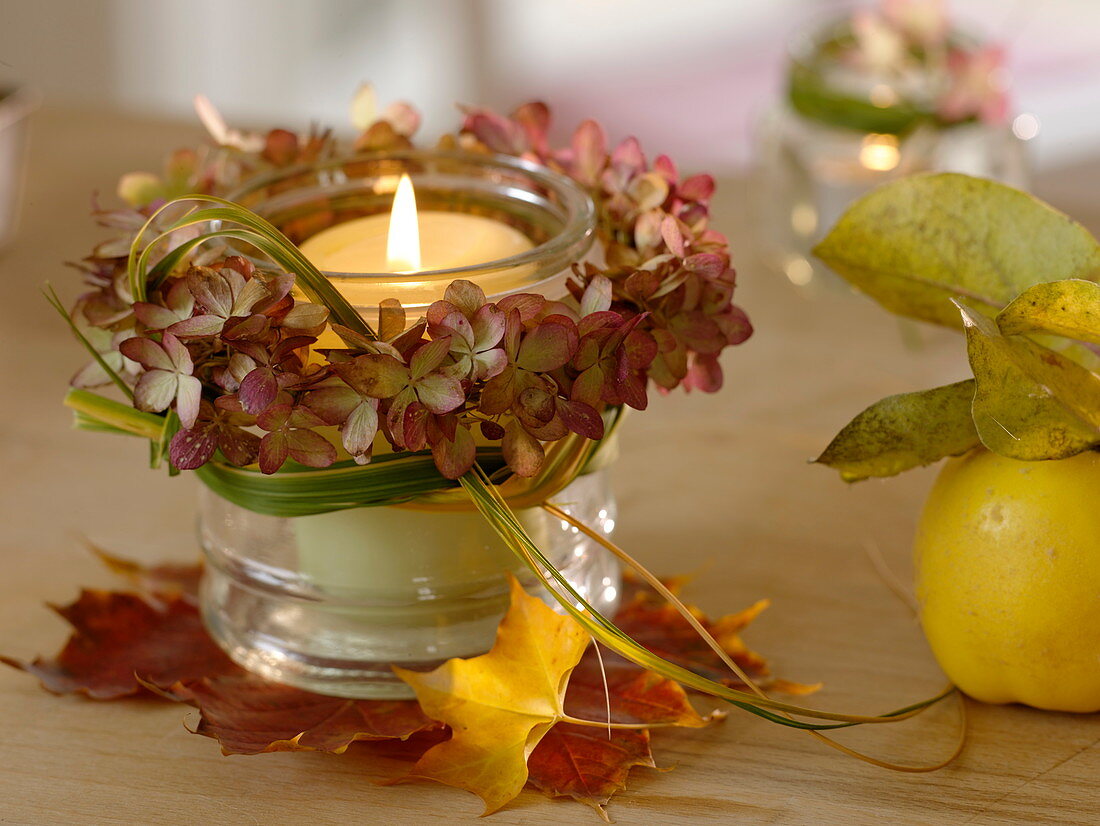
(329, 602)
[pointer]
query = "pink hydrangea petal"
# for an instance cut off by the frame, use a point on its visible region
(147, 353)
(155, 390)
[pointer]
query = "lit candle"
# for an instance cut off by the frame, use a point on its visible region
(387, 556)
(406, 241)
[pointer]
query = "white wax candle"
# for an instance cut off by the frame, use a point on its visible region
(406, 242)
(390, 557)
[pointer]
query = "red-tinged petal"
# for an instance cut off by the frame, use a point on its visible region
(391, 319)
(528, 305)
(273, 452)
(305, 316)
(642, 284)
(376, 375)
(491, 430)
(647, 230)
(706, 264)
(439, 393)
(454, 457)
(534, 118)
(467, 296)
(673, 236)
(628, 159)
(147, 353)
(154, 316)
(696, 188)
(498, 393)
(239, 447)
(179, 300)
(597, 296)
(497, 133)
(522, 451)
(581, 418)
(640, 348)
(698, 331)
(309, 448)
(258, 390)
(664, 166)
(631, 389)
(588, 386)
(547, 347)
(333, 404)
(735, 325)
(155, 390)
(704, 374)
(188, 397)
(488, 326)
(178, 353)
(648, 191)
(253, 328)
(589, 146)
(302, 416)
(211, 291)
(275, 417)
(414, 424)
(199, 326)
(458, 327)
(534, 407)
(489, 363)
(594, 322)
(190, 449)
(428, 357)
(439, 310)
(250, 294)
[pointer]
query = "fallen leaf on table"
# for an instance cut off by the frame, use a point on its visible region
(501, 704)
(166, 578)
(591, 764)
(586, 764)
(247, 715)
(119, 637)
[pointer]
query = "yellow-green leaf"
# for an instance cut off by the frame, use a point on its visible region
(1069, 308)
(1030, 402)
(916, 243)
(904, 431)
(499, 705)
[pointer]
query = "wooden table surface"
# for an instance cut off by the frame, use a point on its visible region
(733, 501)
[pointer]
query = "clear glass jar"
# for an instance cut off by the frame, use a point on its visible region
(808, 170)
(327, 603)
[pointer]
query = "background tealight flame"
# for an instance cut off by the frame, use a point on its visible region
(403, 239)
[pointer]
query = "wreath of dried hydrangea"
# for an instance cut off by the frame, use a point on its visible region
(224, 344)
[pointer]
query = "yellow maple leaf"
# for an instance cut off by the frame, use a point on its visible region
(501, 704)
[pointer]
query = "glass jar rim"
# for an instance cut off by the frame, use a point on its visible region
(579, 227)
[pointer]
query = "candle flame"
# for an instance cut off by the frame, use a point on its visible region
(403, 240)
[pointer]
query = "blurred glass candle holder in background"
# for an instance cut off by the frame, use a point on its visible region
(16, 106)
(328, 602)
(871, 98)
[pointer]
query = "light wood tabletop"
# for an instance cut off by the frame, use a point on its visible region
(714, 485)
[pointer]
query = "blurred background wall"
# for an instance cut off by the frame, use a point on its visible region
(687, 75)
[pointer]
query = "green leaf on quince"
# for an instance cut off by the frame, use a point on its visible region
(1069, 308)
(1030, 402)
(903, 432)
(915, 243)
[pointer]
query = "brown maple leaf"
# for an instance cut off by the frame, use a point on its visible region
(247, 715)
(586, 764)
(166, 578)
(118, 638)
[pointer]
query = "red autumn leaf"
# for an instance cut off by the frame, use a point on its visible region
(247, 715)
(167, 578)
(659, 627)
(585, 764)
(119, 638)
